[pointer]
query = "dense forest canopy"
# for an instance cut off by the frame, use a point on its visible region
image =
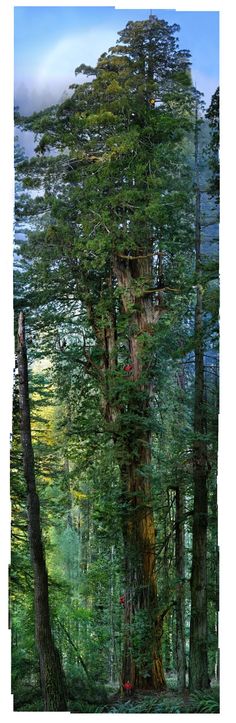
(114, 588)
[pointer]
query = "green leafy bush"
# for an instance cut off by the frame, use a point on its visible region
(205, 701)
(85, 696)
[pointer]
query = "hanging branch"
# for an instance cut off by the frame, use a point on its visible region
(75, 648)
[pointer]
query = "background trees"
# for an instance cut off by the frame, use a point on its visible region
(51, 673)
(107, 280)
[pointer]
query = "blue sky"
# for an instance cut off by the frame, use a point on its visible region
(51, 41)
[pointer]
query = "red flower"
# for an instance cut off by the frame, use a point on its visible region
(122, 599)
(128, 367)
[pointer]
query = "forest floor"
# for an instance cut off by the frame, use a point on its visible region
(98, 699)
(168, 701)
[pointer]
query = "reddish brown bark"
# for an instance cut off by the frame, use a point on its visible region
(142, 661)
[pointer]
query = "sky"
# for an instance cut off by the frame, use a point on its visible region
(51, 41)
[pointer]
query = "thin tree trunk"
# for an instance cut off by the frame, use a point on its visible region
(180, 596)
(180, 561)
(112, 623)
(52, 677)
(198, 662)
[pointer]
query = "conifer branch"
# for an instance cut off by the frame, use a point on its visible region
(74, 646)
(157, 290)
(141, 256)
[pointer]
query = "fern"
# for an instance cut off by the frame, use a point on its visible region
(205, 701)
(199, 702)
(148, 704)
(83, 707)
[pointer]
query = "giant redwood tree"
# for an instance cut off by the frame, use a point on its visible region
(113, 242)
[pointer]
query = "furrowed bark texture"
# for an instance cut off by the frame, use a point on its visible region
(142, 661)
(52, 677)
(198, 661)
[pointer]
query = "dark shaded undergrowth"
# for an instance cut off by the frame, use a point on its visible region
(168, 702)
(94, 699)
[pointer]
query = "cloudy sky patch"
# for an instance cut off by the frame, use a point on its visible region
(51, 41)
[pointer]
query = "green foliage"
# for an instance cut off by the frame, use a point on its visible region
(117, 191)
(86, 696)
(214, 120)
(150, 704)
(84, 707)
(170, 702)
(205, 701)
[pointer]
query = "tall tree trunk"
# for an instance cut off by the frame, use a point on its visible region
(180, 558)
(52, 677)
(112, 622)
(142, 660)
(180, 595)
(198, 662)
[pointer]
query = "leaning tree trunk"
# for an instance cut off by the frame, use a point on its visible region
(198, 661)
(52, 677)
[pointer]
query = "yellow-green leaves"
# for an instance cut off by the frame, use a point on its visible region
(114, 87)
(103, 118)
